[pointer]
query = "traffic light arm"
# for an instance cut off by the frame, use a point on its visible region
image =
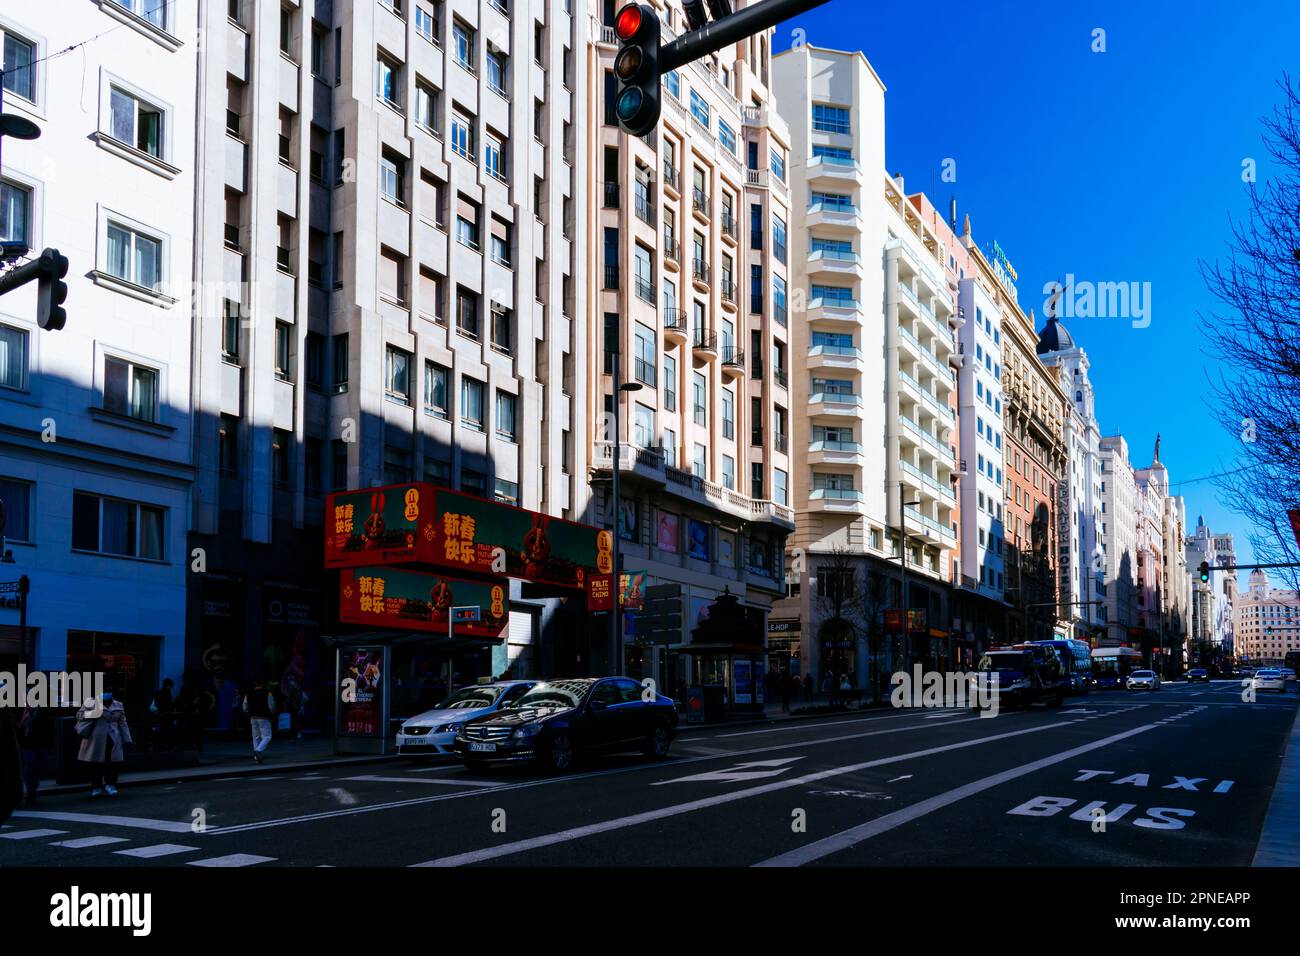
(716, 34)
(25, 273)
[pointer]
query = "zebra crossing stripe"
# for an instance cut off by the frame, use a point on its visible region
(158, 849)
(82, 843)
(233, 859)
(30, 834)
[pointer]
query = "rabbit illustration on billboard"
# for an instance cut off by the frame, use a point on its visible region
(374, 526)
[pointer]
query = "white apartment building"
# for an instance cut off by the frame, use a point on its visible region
(1081, 563)
(1266, 622)
(688, 252)
(1118, 534)
(96, 456)
(388, 206)
(1226, 590)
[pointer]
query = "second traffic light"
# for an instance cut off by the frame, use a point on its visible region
(1205, 572)
(51, 290)
(637, 69)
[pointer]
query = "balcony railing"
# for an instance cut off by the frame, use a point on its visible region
(729, 226)
(781, 442)
(701, 270)
(645, 211)
(645, 290)
(826, 444)
(645, 372)
(611, 195)
(672, 249)
(672, 178)
(728, 289)
(781, 378)
(700, 201)
(835, 398)
(611, 277)
(704, 339)
(731, 355)
(835, 494)
(675, 320)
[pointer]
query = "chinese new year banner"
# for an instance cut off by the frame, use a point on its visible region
(415, 601)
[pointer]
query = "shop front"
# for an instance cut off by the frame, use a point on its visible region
(726, 656)
(784, 635)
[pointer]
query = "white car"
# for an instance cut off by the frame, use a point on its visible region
(1268, 678)
(1287, 673)
(1143, 680)
(432, 732)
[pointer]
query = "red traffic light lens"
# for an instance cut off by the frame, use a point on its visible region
(628, 22)
(628, 62)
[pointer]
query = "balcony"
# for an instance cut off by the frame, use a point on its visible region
(611, 195)
(918, 391)
(771, 513)
(836, 218)
(913, 432)
(645, 372)
(827, 452)
(700, 273)
(781, 443)
(909, 342)
(704, 344)
(672, 253)
(927, 483)
(834, 171)
(847, 357)
(733, 361)
(647, 463)
(839, 404)
(728, 290)
(675, 324)
(672, 179)
(844, 313)
(834, 262)
(844, 500)
(645, 290)
(611, 277)
(729, 228)
(645, 211)
(700, 203)
(928, 529)
(779, 376)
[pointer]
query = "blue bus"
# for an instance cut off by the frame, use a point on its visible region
(1076, 661)
(1112, 665)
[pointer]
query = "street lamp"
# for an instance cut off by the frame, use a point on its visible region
(616, 613)
(902, 565)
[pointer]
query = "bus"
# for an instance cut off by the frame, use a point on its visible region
(1076, 660)
(1112, 665)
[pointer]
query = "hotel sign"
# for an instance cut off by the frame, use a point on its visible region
(422, 524)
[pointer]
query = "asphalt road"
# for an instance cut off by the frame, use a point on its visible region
(1183, 775)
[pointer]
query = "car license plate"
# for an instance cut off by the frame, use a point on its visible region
(478, 747)
(415, 742)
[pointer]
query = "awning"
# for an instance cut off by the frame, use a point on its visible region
(403, 638)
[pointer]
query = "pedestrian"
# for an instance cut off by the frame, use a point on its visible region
(34, 736)
(259, 705)
(162, 711)
(787, 690)
(807, 687)
(104, 735)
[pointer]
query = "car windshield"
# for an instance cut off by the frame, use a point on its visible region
(471, 698)
(1198, 672)
(1143, 674)
(1267, 673)
(554, 695)
(1004, 661)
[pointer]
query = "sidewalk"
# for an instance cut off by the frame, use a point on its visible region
(1279, 841)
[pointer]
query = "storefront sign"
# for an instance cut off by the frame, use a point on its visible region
(420, 523)
(415, 601)
(783, 625)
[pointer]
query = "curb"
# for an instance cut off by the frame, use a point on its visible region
(1279, 838)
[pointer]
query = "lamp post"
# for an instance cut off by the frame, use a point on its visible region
(616, 613)
(902, 567)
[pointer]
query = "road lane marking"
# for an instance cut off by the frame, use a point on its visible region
(795, 725)
(106, 819)
(30, 834)
(82, 843)
(662, 813)
(158, 849)
(568, 778)
(233, 859)
(443, 783)
(855, 835)
(741, 772)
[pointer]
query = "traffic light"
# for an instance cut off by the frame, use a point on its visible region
(51, 290)
(637, 68)
(1205, 572)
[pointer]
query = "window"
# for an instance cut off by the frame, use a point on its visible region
(728, 472)
(341, 362)
(136, 123)
(496, 71)
(389, 88)
(699, 461)
(700, 396)
(778, 239)
(314, 372)
(283, 351)
(673, 83)
(670, 447)
(467, 231)
(15, 213)
(426, 24)
(151, 11)
(280, 458)
(436, 378)
(426, 108)
(471, 403)
(505, 415)
(462, 38)
(16, 496)
(643, 431)
(467, 313)
(114, 526)
(728, 413)
(494, 163)
(507, 491)
(699, 109)
(501, 329)
(18, 74)
(392, 176)
(780, 487)
(462, 135)
(130, 389)
(727, 137)
(499, 247)
(834, 155)
(397, 465)
(778, 164)
(670, 383)
(830, 119)
(397, 375)
(13, 357)
(133, 256)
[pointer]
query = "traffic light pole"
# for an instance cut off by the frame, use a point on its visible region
(716, 34)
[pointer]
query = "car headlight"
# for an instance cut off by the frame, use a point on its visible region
(527, 730)
(449, 729)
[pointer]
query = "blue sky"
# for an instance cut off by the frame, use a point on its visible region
(1117, 166)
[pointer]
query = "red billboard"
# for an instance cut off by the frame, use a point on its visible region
(420, 523)
(416, 601)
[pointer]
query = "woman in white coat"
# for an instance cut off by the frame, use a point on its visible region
(104, 735)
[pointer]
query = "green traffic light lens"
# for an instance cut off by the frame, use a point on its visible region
(629, 104)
